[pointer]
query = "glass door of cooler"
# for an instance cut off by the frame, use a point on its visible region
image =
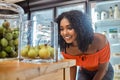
(43, 19)
(78, 6)
(25, 16)
(111, 28)
(108, 25)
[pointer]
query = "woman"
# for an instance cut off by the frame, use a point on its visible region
(91, 50)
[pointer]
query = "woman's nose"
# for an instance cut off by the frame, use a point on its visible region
(65, 32)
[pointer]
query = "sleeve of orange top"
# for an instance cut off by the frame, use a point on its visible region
(105, 54)
(68, 56)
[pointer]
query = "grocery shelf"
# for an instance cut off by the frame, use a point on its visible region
(108, 22)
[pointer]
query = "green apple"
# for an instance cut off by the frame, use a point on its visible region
(9, 49)
(10, 43)
(6, 24)
(13, 54)
(15, 42)
(8, 36)
(3, 54)
(15, 34)
(1, 30)
(4, 42)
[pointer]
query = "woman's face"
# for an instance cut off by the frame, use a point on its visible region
(67, 32)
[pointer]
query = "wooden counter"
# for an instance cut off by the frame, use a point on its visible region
(15, 70)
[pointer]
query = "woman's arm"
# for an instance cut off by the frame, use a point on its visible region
(73, 72)
(102, 69)
(104, 57)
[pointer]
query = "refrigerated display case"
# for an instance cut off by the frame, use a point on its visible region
(104, 21)
(79, 6)
(43, 19)
(25, 17)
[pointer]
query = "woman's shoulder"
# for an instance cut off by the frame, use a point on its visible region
(100, 40)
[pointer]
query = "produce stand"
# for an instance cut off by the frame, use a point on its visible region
(16, 70)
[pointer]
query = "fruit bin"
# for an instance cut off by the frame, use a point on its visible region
(38, 43)
(10, 23)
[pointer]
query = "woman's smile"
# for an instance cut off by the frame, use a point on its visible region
(67, 38)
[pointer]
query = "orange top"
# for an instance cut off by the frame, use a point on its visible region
(91, 62)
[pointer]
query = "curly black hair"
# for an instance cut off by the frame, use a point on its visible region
(82, 25)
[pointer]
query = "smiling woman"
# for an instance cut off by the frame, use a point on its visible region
(90, 50)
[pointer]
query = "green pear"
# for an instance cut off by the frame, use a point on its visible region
(24, 51)
(41, 45)
(32, 53)
(44, 52)
(51, 49)
(37, 50)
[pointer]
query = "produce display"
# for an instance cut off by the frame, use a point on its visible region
(8, 40)
(42, 51)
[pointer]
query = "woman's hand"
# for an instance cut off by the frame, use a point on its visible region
(73, 73)
(102, 69)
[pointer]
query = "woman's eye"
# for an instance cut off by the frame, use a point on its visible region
(61, 29)
(70, 28)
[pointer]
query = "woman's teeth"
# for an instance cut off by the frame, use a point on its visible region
(67, 37)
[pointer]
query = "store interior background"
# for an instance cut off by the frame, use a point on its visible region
(45, 11)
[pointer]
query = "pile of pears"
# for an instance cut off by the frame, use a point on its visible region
(42, 51)
(8, 40)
